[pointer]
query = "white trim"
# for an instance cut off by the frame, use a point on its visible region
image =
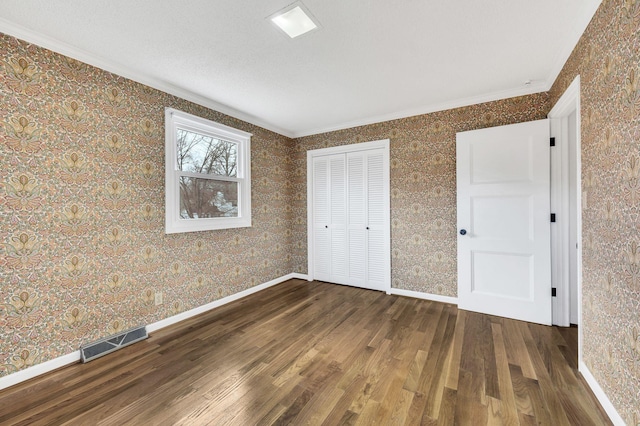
(57, 46)
(39, 369)
(559, 232)
(600, 395)
(73, 357)
(50, 43)
(565, 104)
(535, 87)
(424, 296)
(344, 149)
(310, 253)
(298, 276)
(568, 102)
(576, 34)
(216, 303)
(174, 223)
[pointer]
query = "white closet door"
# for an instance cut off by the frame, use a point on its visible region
(357, 184)
(321, 220)
(338, 224)
(377, 214)
(348, 201)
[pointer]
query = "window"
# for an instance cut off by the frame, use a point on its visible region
(208, 174)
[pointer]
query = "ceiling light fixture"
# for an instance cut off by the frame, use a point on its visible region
(294, 20)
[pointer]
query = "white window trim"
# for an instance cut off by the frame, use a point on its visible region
(173, 222)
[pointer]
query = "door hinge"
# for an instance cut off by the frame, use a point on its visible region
(553, 141)
(553, 292)
(553, 217)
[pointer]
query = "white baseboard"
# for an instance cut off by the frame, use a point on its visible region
(204, 308)
(45, 367)
(600, 395)
(299, 276)
(71, 358)
(425, 296)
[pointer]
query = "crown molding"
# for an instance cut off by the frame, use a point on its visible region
(574, 38)
(34, 37)
(62, 48)
(534, 87)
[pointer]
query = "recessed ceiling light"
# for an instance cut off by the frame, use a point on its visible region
(294, 20)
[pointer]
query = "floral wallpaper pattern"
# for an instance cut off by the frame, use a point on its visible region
(82, 246)
(607, 58)
(82, 243)
(423, 186)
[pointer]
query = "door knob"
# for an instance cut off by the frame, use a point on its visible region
(463, 232)
(326, 226)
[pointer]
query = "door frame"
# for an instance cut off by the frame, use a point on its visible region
(344, 149)
(568, 103)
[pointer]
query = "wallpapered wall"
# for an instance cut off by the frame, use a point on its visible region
(82, 243)
(423, 186)
(607, 58)
(82, 247)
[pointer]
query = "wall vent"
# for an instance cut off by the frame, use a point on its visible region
(109, 344)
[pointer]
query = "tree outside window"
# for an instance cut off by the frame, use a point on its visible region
(208, 174)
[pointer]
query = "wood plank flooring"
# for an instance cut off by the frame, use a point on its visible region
(314, 353)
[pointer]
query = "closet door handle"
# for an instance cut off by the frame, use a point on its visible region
(367, 228)
(326, 226)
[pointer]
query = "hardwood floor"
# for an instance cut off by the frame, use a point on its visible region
(313, 353)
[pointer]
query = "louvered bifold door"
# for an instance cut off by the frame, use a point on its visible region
(350, 218)
(357, 218)
(321, 220)
(338, 223)
(377, 202)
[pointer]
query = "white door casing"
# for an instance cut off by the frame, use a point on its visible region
(349, 215)
(574, 189)
(503, 188)
(567, 200)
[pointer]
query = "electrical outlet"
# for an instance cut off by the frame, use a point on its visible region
(158, 298)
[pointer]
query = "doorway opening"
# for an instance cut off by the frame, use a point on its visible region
(566, 202)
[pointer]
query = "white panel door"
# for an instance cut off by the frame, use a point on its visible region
(503, 185)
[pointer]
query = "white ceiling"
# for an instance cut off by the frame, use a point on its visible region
(371, 61)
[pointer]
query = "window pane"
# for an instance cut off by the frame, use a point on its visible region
(203, 154)
(205, 198)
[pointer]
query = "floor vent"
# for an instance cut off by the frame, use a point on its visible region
(109, 344)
